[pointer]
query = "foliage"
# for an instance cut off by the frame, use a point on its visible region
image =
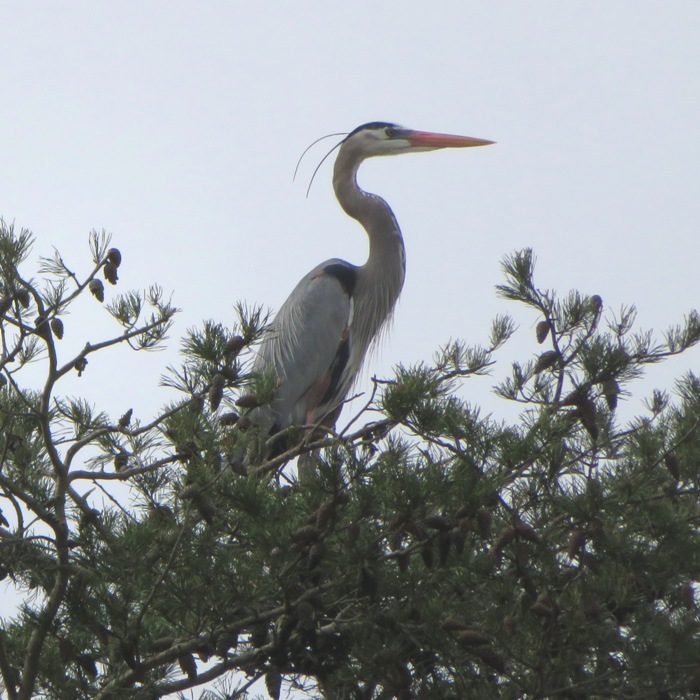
(431, 553)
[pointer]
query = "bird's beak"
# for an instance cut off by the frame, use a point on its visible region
(427, 139)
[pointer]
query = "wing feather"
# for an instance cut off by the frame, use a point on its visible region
(308, 339)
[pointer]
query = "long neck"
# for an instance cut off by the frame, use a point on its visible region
(381, 278)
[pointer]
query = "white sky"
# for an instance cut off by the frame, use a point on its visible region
(177, 126)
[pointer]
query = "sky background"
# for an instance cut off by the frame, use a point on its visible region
(176, 126)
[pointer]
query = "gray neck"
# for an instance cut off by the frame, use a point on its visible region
(380, 279)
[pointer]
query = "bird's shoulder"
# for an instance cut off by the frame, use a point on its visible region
(323, 297)
(336, 269)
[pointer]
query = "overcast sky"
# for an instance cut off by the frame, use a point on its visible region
(177, 127)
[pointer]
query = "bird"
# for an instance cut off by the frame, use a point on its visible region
(316, 344)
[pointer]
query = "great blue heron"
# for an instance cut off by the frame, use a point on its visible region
(321, 334)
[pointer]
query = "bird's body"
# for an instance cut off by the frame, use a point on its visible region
(321, 334)
(321, 306)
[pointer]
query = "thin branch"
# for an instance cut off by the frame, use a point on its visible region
(124, 337)
(114, 429)
(8, 672)
(35, 646)
(365, 407)
(164, 574)
(87, 510)
(272, 465)
(193, 645)
(32, 503)
(125, 474)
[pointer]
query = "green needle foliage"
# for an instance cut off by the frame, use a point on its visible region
(431, 552)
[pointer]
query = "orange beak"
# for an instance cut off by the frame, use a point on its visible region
(431, 140)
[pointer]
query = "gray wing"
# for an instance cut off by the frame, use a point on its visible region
(307, 346)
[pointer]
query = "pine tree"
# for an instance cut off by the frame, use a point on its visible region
(434, 553)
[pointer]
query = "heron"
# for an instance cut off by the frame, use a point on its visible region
(317, 342)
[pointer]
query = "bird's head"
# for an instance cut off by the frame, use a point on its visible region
(386, 139)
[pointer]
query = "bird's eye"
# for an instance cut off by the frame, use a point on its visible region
(390, 131)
